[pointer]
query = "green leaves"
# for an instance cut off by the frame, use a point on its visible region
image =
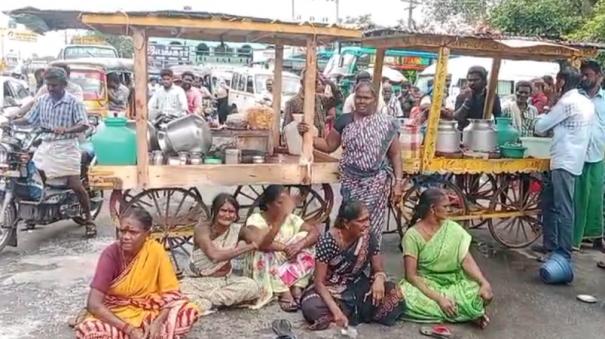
(546, 18)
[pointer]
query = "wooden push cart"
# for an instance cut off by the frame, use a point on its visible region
(504, 193)
(171, 193)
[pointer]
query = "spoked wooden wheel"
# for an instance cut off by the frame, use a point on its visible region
(458, 205)
(313, 203)
(175, 213)
(246, 196)
(518, 194)
(478, 190)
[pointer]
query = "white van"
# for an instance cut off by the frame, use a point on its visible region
(511, 71)
(248, 87)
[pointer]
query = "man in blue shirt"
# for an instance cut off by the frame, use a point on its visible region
(570, 120)
(63, 118)
(589, 186)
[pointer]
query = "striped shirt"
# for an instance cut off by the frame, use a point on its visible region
(49, 114)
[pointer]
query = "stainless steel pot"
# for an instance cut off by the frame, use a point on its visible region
(483, 136)
(190, 133)
(448, 137)
(152, 137)
(467, 133)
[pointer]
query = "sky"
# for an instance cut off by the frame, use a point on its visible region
(384, 12)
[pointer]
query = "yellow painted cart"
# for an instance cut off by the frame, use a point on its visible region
(504, 193)
(171, 193)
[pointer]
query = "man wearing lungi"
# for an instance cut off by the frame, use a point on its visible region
(62, 117)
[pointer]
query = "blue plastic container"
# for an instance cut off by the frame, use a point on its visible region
(556, 270)
(115, 144)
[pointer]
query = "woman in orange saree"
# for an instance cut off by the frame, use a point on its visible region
(135, 292)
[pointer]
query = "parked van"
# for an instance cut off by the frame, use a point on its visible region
(511, 71)
(87, 51)
(248, 87)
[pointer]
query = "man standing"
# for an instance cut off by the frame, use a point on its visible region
(393, 107)
(570, 120)
(63, 117)
(589, 186)
(117, 93)
(194, 95)
(168, 100)
(522, 113)
(470, 103)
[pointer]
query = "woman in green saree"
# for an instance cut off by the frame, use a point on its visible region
(442, 280)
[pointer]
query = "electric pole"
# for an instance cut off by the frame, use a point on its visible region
(411, 6)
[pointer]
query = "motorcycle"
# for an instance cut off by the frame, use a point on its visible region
(24, 199)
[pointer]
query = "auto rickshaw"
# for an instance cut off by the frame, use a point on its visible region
(91, 75)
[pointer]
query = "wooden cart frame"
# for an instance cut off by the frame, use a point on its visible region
(169, 190)
(505, 193)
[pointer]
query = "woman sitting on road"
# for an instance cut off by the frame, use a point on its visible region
(285, 259)
(342, 291)
(210, 283)
(442, 280)
(135, 292)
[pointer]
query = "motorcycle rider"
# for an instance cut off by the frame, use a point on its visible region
(63, 117)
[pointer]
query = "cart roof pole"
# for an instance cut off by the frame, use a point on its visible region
(492, 89)
(139, 37)
(436, 101)
(277, 90)
(306, 157)
(378, 63)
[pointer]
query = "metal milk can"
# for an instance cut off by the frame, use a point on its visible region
(448, 137)
(483, 136)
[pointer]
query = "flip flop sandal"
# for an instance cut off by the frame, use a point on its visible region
(601, 264)
(74, 321)
(91, 230)
(283, 329)
(289, 306)
(439, 331)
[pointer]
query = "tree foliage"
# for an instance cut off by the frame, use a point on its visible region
(363, 22)
(122, 43)
(469, 11)
(547, 18)
(593, 29)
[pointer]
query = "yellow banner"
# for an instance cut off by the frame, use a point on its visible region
(88, 40)
(20, 35)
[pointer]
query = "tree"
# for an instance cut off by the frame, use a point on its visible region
(122, 43)
(592, 29)
(546, 18)
(468, 11)
(363, 22)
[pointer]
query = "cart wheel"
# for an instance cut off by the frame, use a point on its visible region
(314, 203)
(246, 197)
(175, 213)
(517, 193)
(421, 183)
(478, 190)
(393, 220)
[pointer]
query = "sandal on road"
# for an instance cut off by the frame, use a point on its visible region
(283, 329)
(91, 229)
(601, 264)
(438, 331)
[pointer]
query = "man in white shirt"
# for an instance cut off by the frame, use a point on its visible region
(169, 100)
(570, 120)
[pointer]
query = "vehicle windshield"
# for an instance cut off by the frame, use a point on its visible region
(89, 52)
(290, 85)
(339, 64)
(92, 83)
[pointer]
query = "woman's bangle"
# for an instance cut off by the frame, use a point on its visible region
(384, 275)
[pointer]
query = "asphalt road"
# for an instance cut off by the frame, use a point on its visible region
(45, 280)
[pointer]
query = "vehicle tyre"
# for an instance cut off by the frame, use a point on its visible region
(95, 208)
(8, 229)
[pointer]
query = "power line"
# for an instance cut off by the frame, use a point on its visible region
(410, 8)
